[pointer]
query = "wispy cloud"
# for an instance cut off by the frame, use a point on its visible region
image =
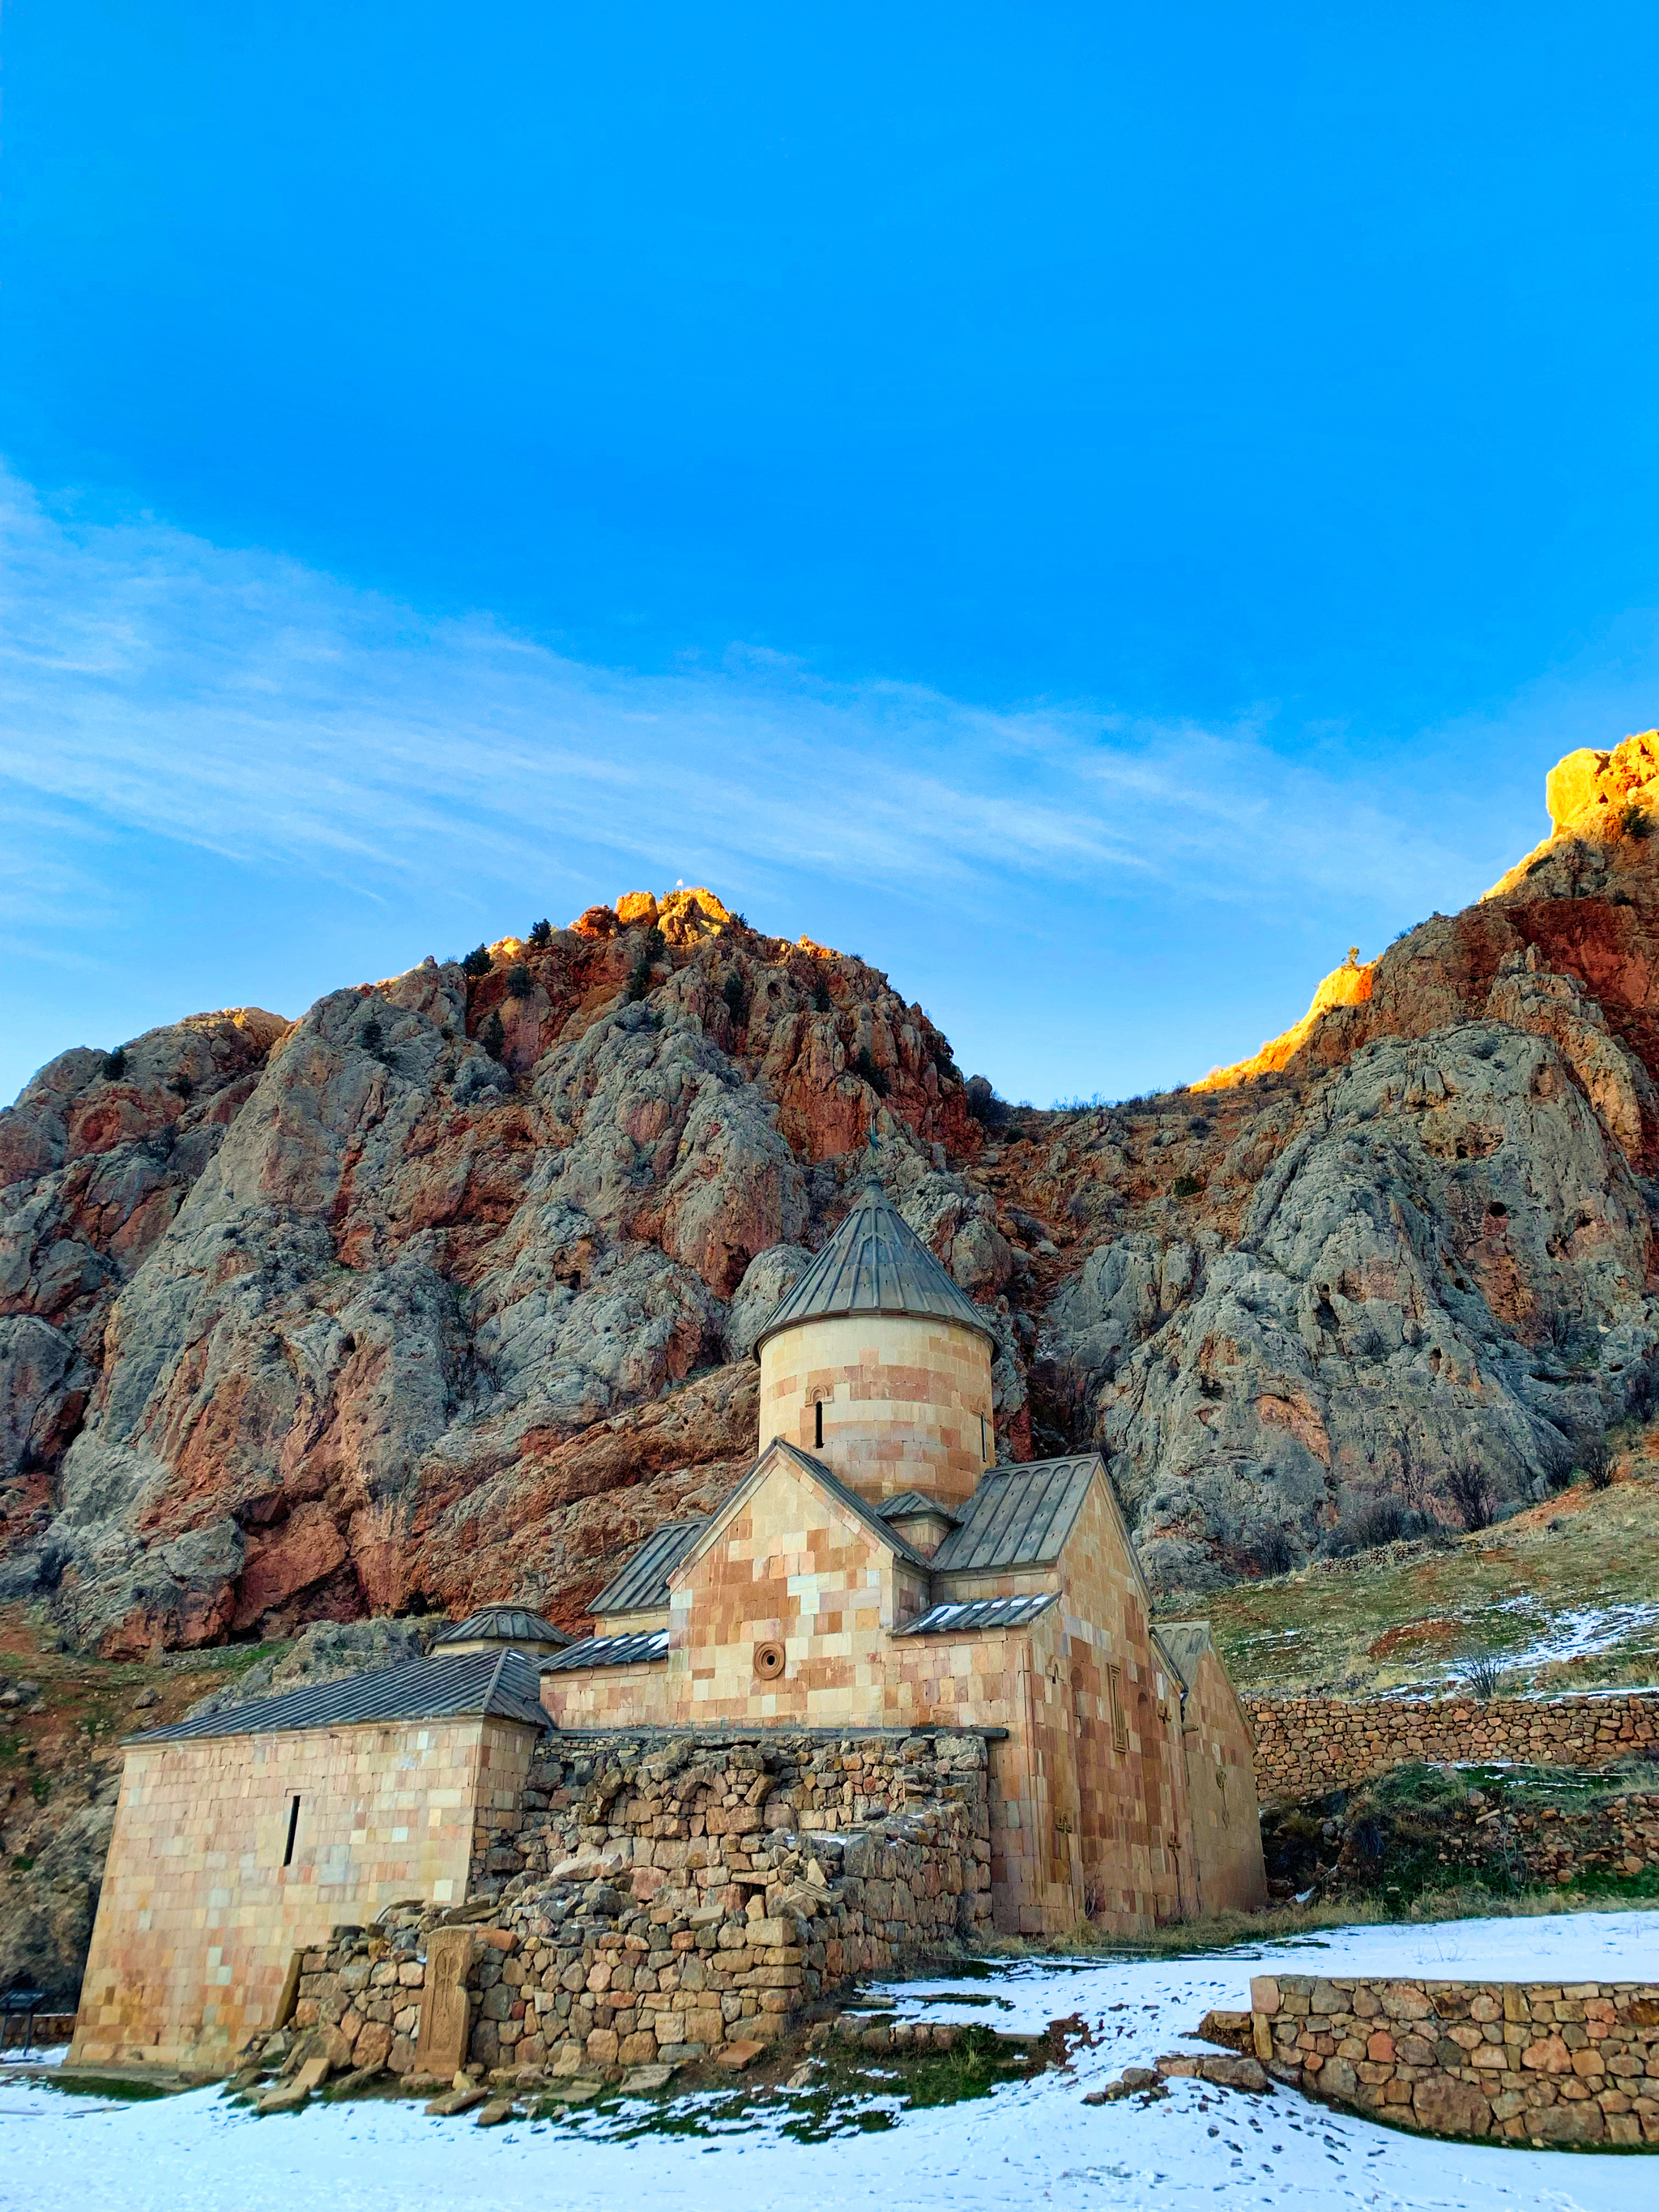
(243, 704)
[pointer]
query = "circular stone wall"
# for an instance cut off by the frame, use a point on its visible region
(906, 1403)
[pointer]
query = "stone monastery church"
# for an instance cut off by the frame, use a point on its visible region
(875, 1573)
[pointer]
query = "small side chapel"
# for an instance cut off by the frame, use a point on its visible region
(877, 1570)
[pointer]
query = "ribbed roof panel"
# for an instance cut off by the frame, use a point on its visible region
(501, 1685)
(503, 1624)
(1019, 1517)
(978, 1614)
(610, 1651)
(875, 1263)
(642, 1585)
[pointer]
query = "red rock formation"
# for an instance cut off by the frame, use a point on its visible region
(444, 1293)
(429, 1253)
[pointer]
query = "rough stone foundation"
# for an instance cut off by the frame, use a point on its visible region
(1306, 1745)
(1551, 2062)
(671, 1898)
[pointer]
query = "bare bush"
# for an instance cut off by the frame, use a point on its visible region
(1470, 1491)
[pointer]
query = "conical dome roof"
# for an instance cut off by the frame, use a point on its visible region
(875, 1263)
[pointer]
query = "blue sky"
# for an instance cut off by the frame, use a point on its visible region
(1096, 510)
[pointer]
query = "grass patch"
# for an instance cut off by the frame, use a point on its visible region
(857, 2092)
(112, 2086)
(1356, 1626)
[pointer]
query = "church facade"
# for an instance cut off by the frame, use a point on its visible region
(875, 1570)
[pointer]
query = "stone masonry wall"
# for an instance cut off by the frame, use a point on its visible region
(668, 1894)
(1542, 2062)
(664, 1906)
(213, 1882)
(904, 1402)
(1306, 1745)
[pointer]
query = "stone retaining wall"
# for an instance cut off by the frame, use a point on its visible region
(680, 1892)
(668, 1902)
(1540, 2063)
(1307, 1746)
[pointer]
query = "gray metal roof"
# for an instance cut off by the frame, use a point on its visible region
(982, 1612)
(910, 1504)
(875, 1263)
(1019, 1517)
(504, 1623)
(610, 1651)
(499, 1684)
(642, 1585)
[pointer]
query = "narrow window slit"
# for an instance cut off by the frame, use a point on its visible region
(292, 1830)
(817, 1425)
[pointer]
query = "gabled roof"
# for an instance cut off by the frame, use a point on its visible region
(611, 1651)
(496, 1685)
(1185, 1643)
(980, 1614)
(503, 1624)
(819, 1473)
(642, 1585)
(910, 1506)
(1019, 1517)
(875, 1263)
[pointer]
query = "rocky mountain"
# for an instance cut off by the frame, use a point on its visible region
(446, 1291)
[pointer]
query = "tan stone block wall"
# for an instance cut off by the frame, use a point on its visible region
(609, 1696)
(1531, 2061)
(793, 1567)
(904, 1402)
(1088, 1807)
(199, 1916)
(1223, 1817)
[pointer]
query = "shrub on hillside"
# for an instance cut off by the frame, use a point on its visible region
(493, 1037)
(987, 1109)
(1595, 1465)
(1187, 1186)
(822, 1001)
(519, 980)
(541, 934)
(476, 962)
(1272, 1550)
(1470, 1491)
(1370, 1522)
(866, 1068)
(735, 997)
(115, 1065)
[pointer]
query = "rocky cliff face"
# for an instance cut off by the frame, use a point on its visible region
(447, 1292)
(447, 1288)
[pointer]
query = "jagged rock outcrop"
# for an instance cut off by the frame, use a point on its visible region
(1441, 1280)
(447, 1291)
(456, 1231)
(326, 1652)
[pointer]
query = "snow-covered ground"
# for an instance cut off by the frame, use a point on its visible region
(1581, 1633)
(1033, 2143)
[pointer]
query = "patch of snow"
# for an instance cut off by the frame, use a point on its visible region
(1032, 2143)
(1582, 1633)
